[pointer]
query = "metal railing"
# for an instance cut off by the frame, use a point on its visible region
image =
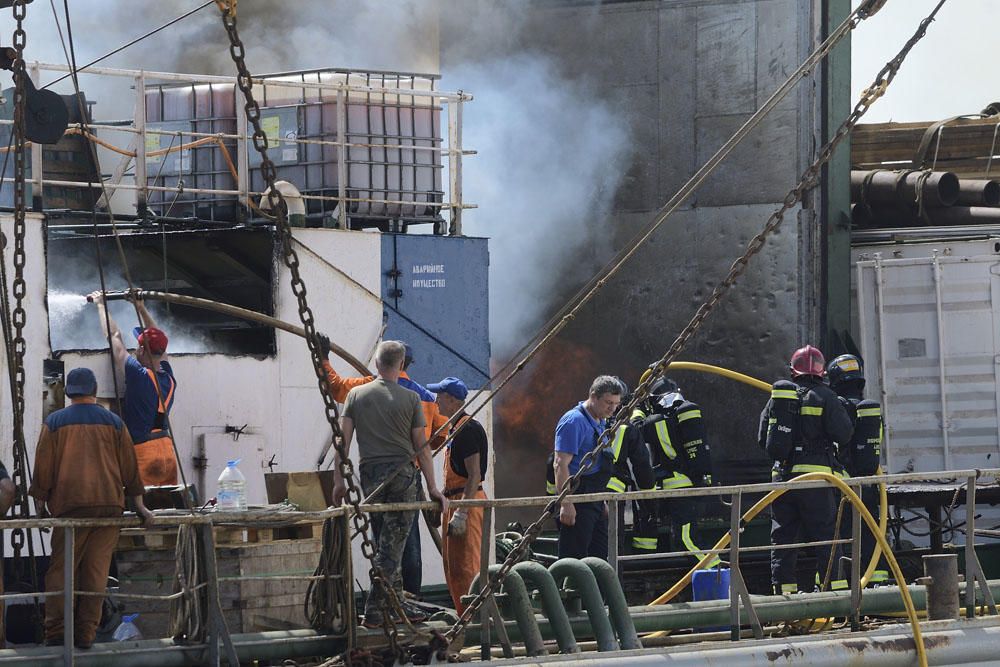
(448, 146)
(970, 479)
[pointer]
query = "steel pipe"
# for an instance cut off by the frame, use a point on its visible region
(614, 597)
(535, 575)
(580, 577)
(946, 217)
(769, 608)
(974, 192)
(905, 189)
(941, 579)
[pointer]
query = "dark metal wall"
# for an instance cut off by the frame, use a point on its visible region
(686, 74)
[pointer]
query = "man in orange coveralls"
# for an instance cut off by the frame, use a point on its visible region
(340, 386)
(149, 394)
(84, 467)
(464, 469)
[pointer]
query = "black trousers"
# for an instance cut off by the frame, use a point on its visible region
(810, 513)
(588, 536)
(870, 497)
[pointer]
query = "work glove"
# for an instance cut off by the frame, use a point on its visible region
(458, 524)
(324, 344)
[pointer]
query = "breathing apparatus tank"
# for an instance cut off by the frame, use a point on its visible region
(783, 420)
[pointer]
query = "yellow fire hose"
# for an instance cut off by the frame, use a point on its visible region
(856, 501)
(883, 508)
(883, 518)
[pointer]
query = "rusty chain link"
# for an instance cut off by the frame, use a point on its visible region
(808, 180)
(276, 202)
(16, 345)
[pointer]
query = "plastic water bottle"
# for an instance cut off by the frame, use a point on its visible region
(127, 630)
(232, 495)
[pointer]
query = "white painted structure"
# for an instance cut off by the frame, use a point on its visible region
(275, 396)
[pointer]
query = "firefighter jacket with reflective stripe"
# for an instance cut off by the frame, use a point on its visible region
(630, 458)
(862, 456)
(678, 446)
(823, 422)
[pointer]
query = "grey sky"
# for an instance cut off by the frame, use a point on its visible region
(952, 71)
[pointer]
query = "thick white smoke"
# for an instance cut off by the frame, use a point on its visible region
(551, 152)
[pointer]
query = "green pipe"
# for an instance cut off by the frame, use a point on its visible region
(614, 597)
(584, 583)
(536, 576)
(769, 608)
(519, 604)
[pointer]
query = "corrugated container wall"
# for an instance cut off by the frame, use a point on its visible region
(436, 298)
(927, 318)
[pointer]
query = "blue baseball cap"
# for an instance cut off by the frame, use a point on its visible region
(451, 386)
(81, 382)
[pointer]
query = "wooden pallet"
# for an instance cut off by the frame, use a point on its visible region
(964, 148)
(166, 538)
(236, 535)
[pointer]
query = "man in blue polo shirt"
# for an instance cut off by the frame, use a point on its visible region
(583, 527)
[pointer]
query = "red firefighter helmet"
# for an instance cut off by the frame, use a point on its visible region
(808, 360)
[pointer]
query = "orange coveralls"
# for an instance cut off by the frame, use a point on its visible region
(461, 554)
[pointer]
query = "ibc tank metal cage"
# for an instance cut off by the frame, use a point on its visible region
(365, 148)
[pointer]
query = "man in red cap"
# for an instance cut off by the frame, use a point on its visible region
(149, 393)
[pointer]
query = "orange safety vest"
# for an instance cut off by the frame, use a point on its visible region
(461, 554)
(155, 457)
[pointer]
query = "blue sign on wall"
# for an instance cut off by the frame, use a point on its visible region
(435, 290)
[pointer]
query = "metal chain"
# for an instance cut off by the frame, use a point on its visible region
(808, 180)
(19, 288)
(276, 202)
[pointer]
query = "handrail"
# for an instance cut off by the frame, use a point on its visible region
(285, 517)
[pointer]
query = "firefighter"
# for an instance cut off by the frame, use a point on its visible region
(674, 432)
(799, 429)
(862, 455)
(631, 468)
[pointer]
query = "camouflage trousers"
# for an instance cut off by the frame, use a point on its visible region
(390, 528)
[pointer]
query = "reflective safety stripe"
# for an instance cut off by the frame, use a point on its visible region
(879, 576)
(789, 588)
(870, 412)
(645, 543)
(693, 548)
(550, 488)
(809, 467)
(616, 485)
(839, 585)
(811, 410)
(616, 444)
(842, 474)
(663, 435)
(678, 481)
(690, 414)
(638, 414)
(784, 393)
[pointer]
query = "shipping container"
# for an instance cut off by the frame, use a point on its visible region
(927, 318)
(436, 298)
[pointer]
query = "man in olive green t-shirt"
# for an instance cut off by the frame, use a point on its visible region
(389, 423)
